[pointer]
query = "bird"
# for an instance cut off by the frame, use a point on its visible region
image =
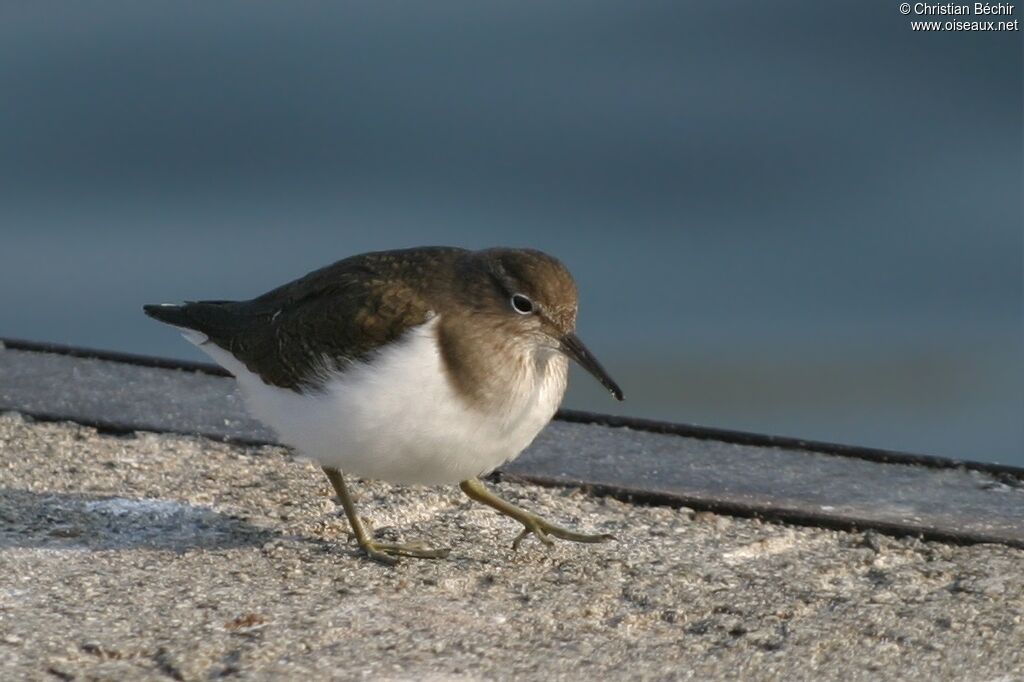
(429, 365)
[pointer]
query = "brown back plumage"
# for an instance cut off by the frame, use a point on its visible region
(338, 314)
(346, 311)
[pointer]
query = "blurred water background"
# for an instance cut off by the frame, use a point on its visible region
(795, 217)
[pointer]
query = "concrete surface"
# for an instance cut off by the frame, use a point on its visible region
(786, 483)
(160, 556)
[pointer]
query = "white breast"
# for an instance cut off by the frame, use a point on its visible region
(399, 418)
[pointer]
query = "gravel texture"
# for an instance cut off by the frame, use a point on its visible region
(155, 557)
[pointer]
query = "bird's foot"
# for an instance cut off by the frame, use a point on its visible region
(544, 530)
(388, 554)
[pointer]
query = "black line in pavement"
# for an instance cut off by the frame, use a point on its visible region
(581, 417)
(794, 517)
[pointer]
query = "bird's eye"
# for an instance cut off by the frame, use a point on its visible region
(521, 304)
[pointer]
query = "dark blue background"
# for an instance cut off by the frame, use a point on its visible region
(790, 217)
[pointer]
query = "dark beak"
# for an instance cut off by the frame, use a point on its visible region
(574, 348)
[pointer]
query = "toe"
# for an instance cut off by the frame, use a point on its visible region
(381, 557)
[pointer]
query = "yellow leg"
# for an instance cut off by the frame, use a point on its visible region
(385, 554)
(532, 523)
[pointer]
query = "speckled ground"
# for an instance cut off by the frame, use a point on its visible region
(155, 557)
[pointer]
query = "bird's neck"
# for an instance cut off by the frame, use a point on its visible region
(495, 372)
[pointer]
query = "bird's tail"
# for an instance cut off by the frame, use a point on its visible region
(208, 317)
(169, 313)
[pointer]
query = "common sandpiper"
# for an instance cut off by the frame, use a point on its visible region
(431, 365)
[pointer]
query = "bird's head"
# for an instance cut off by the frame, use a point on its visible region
(531, 295)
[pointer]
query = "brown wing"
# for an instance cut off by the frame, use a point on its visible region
(331, 317)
